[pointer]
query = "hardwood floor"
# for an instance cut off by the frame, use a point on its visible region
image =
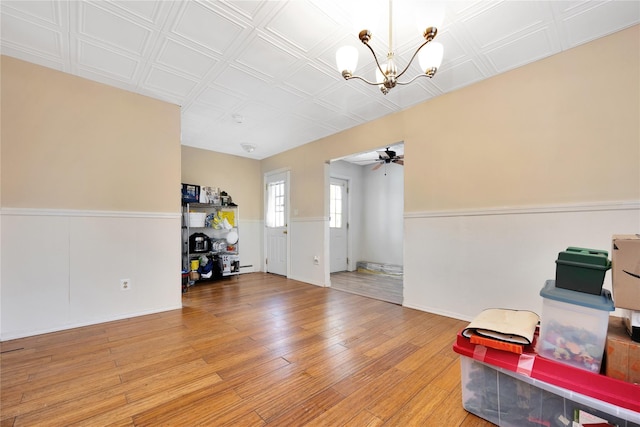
(257, 350)
(384, 287)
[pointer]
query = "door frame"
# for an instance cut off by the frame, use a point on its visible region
(287, 216)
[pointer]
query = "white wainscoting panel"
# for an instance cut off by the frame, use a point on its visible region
(310, 237)
(35, 274)
(250, 234)
(459, 263)
(62, 269)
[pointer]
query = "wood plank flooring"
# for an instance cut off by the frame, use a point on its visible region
(380, 286)
(253, 351)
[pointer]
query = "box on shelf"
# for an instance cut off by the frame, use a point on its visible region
(631, 320)
(623, 354)
(190, 193)
(230, 264)
(512, 389)
(625, 271)
(582, 269)
(196, 219)
(573, 326)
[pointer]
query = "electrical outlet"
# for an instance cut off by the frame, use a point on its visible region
(316, 260)
(125, 284)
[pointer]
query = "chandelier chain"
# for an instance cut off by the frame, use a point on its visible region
(390, 26)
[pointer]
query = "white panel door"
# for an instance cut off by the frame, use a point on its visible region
(276, 222)
(338, 224)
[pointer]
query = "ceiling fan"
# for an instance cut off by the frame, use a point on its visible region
(388, 156)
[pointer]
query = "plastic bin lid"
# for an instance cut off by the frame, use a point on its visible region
(602, 302)
(592, 258)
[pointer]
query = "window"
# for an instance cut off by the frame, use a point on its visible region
(335, 206)
(275, 204)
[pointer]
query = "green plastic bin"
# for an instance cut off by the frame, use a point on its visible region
(582, 269)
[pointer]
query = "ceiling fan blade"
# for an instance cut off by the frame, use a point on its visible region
(376, 167)
(401, 156)
(399, 162)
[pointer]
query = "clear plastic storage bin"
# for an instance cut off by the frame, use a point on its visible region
(506, 398)
(573, 326)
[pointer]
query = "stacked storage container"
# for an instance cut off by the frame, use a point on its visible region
(557, 379)
(575, 310)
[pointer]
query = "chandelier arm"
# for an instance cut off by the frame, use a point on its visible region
(376, 59)
(365, 80)
(411, 60)
(412, 80)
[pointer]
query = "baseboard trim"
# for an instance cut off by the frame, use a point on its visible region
(432, 310)
(310, 282)
(25, 334)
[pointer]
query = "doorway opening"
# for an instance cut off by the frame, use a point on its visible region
(370, 188)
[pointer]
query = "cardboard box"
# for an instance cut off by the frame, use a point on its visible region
(625, 271)
(623, 354)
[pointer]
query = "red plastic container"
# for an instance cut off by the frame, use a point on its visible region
(618, 398)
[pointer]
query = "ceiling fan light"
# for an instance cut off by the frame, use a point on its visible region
(430, 56)
(347, 60)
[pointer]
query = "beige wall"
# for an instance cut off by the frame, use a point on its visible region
(556, 131)
(561, 130)
(238, 176)
(70, 143)
(91, 173)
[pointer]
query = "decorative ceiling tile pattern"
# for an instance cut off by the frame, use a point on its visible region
(263, 72)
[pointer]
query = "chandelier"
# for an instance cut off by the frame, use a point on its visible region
(387, 75)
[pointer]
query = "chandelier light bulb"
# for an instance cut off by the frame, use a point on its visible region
(430, 58)
(379, 75)
(347, 60)
(380, 78)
